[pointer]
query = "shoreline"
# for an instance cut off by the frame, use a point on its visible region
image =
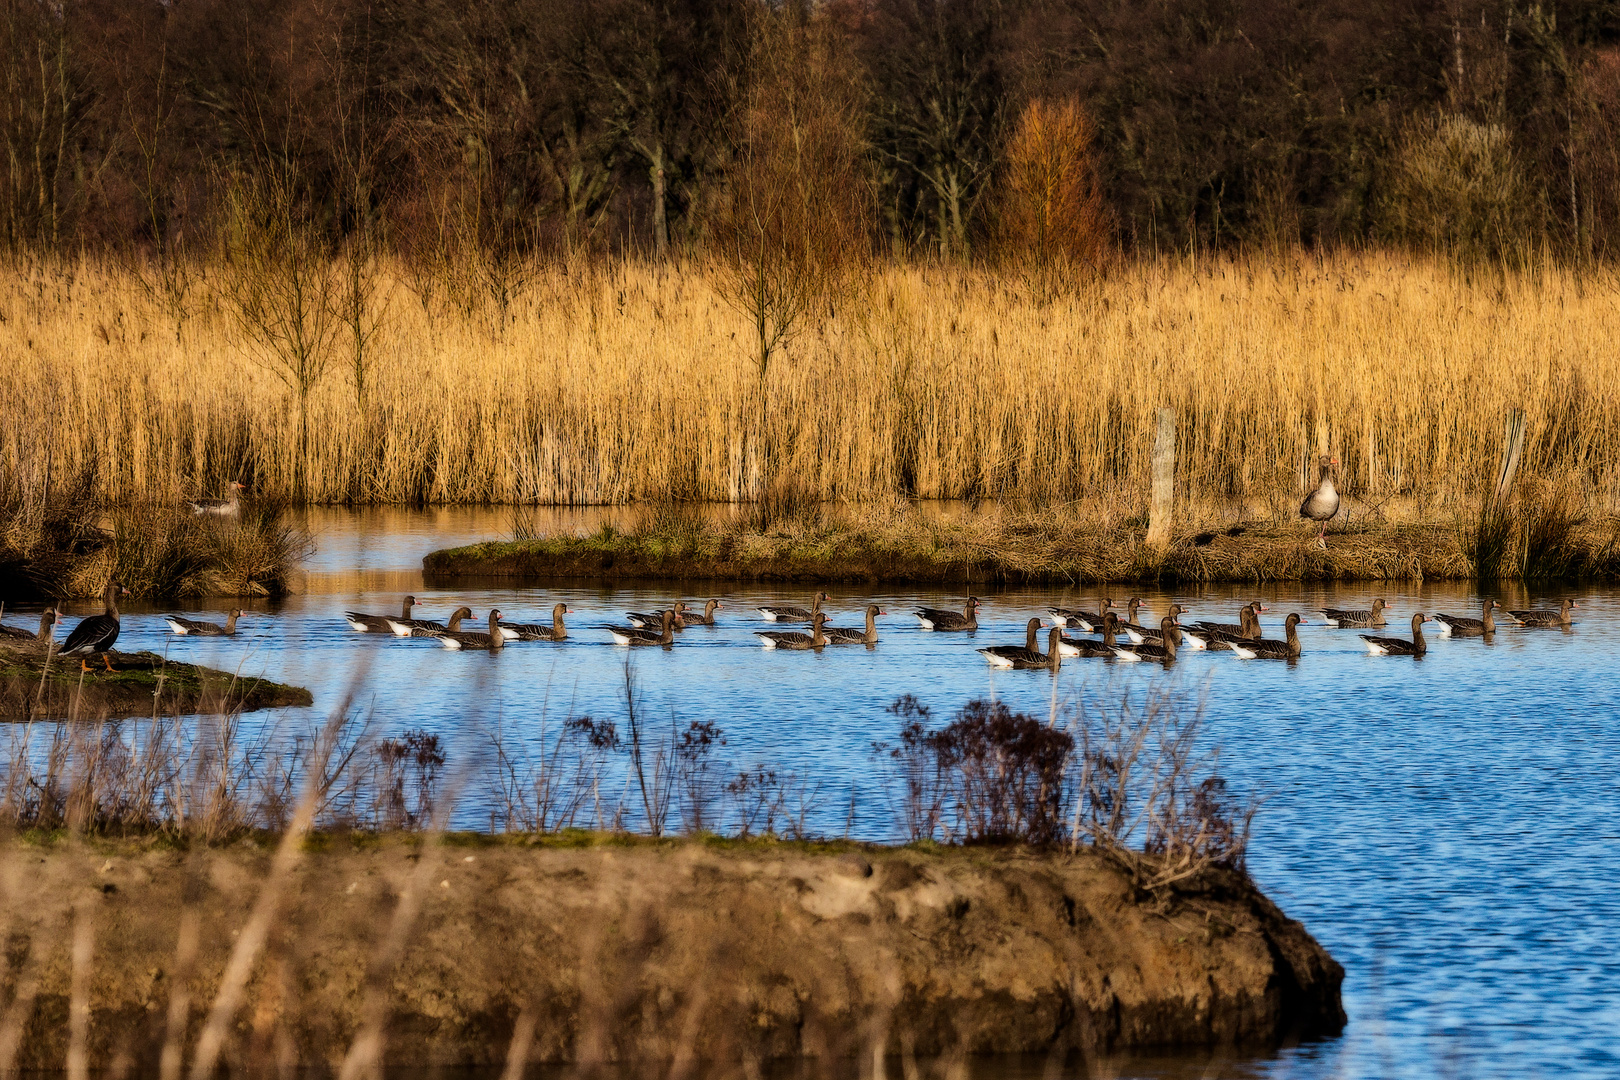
(133, 689)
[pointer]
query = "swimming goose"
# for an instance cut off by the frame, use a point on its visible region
(646, 620)
(1087, 649)
(795, 639)
(429, 628)
(1218, 636)
(1343, 619)
(1321, 504)
(204, 629)
(710, 606)
(795, 614)
(229, 506)
(1011, 656)
(98, 633)
(378, 624)
(1265, 649)
(1394, 646)
(1139, 634)
(1163, 650)
(1080, 620)
(472, 639)
(942, 619)
(842, 636)
(636, 635)
(1132, 627)
(1453, 626)
(47, 628)
(539, 631)
(1543, 617)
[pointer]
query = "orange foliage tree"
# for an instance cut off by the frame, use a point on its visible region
(1051, 213)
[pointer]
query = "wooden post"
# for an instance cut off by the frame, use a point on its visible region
(1164, 479)
(1512, 450)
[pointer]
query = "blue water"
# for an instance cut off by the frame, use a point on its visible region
(1447, 828)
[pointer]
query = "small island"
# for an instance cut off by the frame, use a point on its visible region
(140, 684)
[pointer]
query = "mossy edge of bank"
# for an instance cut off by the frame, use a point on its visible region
(132, 689)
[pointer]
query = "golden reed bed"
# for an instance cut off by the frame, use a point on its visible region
(626, 382)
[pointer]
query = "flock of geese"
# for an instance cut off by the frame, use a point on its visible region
(1127, 640)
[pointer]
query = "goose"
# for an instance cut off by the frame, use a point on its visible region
(47, 629)
(942, 619)
(229, 506)
(796, 639)
(636, 635)
(1162, 650)
(472, 639)
(1394, 646)
(1264, 649)
(1221, 635)
(1132, 627)
(795, 614)
(204, 629)
(1011, 656)
(1080, 620)
(539, 631)
(1140, 634)
(710, 606)
(646, 620)
(841, 636)
(1454, 626)
(1339, 617)
(1543, 617)
(378, 624)
(429, 628)
(1085, 648)
(1321, 504)
(97, 633)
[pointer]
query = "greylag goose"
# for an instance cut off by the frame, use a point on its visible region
(1544, 617)
(1265, 649)
(378, 624)
(428, 628)
(472, 639)
(1080, 620)
(1394, 646)
(796, 639)
(539, 631)
(646, 620)
(98, 633)
(636, 635)
(1011, 656)
(229, 506)
(710, 606)
(1321, 504)
(943, 619)
(47, 628)
(795, 614)
(1132, 626)
(1221, 635)
(204, 629)
(1087, 649)
(1455, 626)
(1140, 634)
(843, 636)
(1163, 650)
(1344, 620)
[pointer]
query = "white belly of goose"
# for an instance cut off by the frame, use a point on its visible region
(1243, 653)
(177, 628)
(1127, 656)
(1374, 648)
(995, 659)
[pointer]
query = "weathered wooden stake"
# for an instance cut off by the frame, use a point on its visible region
(1512, 449)
(1164, 479)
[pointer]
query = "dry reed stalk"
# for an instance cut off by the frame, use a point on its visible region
(937, 382)
(174, 1034)
(517, 1052)
(84, 942)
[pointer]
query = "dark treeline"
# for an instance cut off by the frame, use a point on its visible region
(619, 125)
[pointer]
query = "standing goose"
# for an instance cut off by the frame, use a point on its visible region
(1080, 620)
(1321, 504)
(646, 620)
(1163, 650)
(1265, 649)
(1454, 626)
(1394, 646)
(710, 606)
(204, 629)
(427, 628)
(378, 624)
(795, 614)
(472, 639)
(795, 639)
(539, 631)
(229, 506)
(47, 628)
(841, 636)
(942, 619)
(1373, 617)
(1543, 617)
(1011, 656)
(98, 633)
(636, 635)
(1087, 649)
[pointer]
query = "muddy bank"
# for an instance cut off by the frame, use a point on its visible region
(631, 950)
(139, 685)
(1235, 554)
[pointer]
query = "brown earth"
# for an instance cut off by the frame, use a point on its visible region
(632, 950)
(131, 689)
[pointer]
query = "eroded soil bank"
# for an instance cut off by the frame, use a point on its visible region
(140, 684)
(656, 950)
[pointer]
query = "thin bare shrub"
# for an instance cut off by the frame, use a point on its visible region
(1459, 189)
(1052, 222)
